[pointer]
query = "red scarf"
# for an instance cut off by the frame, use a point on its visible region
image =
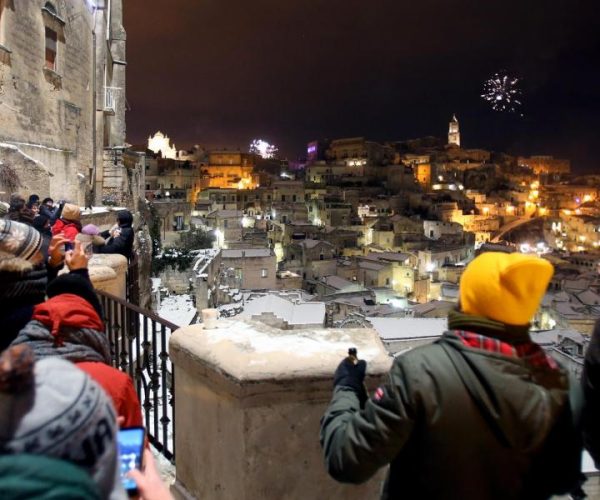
(67, 309)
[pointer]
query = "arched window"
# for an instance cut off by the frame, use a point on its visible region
(51, 8)
(53, 32)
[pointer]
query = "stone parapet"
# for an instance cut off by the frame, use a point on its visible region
(108, 273)
(249, 400)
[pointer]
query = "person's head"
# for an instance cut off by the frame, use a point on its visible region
(124, 218)
(33, 199)
(41, 222)
(48, 202)
(71, 212)
(52, 408)
(504, 287)
(20, 241)
(17, 203)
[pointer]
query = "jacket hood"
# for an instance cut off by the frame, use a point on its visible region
(520, 403)
(125, 218)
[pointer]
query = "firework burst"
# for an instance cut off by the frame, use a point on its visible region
(263, 148)
(502, 92)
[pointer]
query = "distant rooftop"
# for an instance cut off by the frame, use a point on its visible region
(238, 253)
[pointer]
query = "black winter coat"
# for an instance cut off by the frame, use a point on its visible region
(122, 244)
(591, 389)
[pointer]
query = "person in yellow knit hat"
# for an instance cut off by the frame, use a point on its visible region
(482, 413)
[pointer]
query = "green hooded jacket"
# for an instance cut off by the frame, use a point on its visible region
(458, 422)
(44, 478)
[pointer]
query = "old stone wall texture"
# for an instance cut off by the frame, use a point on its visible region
(48, 113)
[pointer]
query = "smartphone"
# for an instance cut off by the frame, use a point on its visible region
(69, 246)
(131, 449)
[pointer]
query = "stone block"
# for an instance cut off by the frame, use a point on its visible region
(249, 401)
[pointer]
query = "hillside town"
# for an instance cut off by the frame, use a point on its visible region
(363, 232)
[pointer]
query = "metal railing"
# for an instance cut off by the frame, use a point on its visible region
(139, 342)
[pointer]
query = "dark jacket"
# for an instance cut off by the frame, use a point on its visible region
(122, 244)
(68, 326)
(52, 213)
(457, 422)
(591, 389)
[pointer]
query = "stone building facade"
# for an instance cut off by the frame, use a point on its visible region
(62, 97)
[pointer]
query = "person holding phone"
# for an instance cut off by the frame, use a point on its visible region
(69, 223)
(481, 413)
(119, 239)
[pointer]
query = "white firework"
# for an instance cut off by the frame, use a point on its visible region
(502, 92)
(263, 148)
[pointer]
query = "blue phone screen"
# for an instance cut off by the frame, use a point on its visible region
(131, 444)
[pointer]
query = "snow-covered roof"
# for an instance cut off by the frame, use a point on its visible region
(225, 214)
(408, 328)
(303, 313)
(373, 266)
(340, 283)
(238, 253)
(392, 256)
(310, 243)
(589, 298)
(178, 309)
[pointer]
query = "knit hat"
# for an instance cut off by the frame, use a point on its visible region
(4, 208)
(71, 212)
(90, 234)
(19, 240)
(504, 287)
(52, 408)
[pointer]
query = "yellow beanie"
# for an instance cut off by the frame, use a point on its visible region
(506, 287)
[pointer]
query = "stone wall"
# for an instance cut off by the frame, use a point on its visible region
(48, 113)
(249, 400)
(176, 281)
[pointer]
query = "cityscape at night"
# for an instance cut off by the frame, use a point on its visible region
(241, 194)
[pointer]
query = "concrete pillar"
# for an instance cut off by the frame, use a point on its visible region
(248, 403)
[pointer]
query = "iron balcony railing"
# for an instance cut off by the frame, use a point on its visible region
(139, 342)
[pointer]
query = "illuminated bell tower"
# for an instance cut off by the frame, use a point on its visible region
(454, 132)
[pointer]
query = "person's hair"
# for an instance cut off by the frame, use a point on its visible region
(34, 198)
(46, 200)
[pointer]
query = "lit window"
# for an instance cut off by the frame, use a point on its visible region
(51, 39)
(264, 273)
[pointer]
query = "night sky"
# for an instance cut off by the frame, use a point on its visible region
(221, 72)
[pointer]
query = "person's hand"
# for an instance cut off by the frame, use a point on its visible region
(55, 249)
(149, 483)
(77, 258)
(351, 373)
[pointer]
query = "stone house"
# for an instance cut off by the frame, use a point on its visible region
(227, 225)
(62, 99)
(253, 268)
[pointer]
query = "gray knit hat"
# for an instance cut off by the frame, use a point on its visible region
(18, 239)
(4, 208)
(53, 408)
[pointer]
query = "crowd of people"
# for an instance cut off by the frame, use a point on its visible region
(61, 400)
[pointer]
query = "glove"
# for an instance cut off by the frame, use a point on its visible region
(352, 376)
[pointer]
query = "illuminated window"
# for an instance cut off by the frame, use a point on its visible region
(264, 273)
(51, 39)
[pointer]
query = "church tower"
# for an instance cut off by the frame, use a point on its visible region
(454, 132)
